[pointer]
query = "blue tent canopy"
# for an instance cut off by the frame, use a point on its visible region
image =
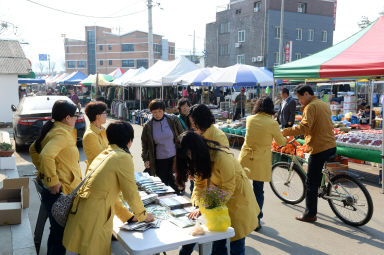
(30, 81)
(73, 78)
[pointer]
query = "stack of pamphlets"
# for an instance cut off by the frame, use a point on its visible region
(140, 226)
(147, 198)
(151, 184)
(182, 222)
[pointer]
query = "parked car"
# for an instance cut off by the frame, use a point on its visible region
(32, 113)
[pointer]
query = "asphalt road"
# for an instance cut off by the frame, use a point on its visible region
(281, 233)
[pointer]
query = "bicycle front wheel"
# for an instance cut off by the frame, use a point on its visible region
(349, 200)
(288, 185)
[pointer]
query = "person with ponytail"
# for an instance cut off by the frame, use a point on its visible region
(89, 226)
(56, 157)
(212, 164)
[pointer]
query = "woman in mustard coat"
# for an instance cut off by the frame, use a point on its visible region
(95, 138)
(90, 222)
(202, 122)
(56, 157)
(207, 160)
(256, 154)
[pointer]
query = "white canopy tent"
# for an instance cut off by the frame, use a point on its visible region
(163, 73)
(127, 76)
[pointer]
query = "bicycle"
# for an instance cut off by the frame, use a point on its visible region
(346, 195)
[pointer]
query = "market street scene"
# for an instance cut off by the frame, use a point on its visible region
(172, 127)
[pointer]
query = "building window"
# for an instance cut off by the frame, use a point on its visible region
(276, 58)
(299, 34)
(302, 7)
(71, 64)
(224, 50)
(324, 36)
(127, 47)
(81, 64)
(298, 56)
(67, 49)
(224, 28)
(238, 11)
(109, 47)
(101, 62)
(277, 32)
(100, 47)
(241, 36)
(171, 50)
(257, 6)
(241, 59)
(128, 63)
(110, 62)
(142, 63)
(311, 34)
(157, 48)
(91, 45)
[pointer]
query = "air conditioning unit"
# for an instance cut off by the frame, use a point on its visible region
(237, 45)
(260, 58)
(254, 59)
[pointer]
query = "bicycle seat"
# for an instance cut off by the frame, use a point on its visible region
(332, 158)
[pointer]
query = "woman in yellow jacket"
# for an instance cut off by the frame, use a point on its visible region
(202, 122)
(95, 138)
(256, 154)
(208, 160)
(56, 157)
(90, 222)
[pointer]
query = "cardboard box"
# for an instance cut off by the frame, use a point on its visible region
(337, 168)
(11, 201)
(18, 183)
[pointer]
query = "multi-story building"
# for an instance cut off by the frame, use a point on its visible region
(248, 31)
(102, 51)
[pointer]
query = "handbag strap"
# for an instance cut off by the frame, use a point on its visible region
(89, 175)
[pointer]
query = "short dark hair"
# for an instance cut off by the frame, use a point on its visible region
(202, 116)
(156, 104)
(301, 89)
(120, 133)
(95, 108)
(265, 105)
(285, 91)
(183, 101)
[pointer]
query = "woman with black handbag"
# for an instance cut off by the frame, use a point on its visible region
(56, 157)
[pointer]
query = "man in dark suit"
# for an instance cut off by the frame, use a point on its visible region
(287, 111)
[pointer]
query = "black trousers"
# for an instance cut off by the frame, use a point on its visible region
(313, 181)
(55, 239)
(238, 112)
(164, 170)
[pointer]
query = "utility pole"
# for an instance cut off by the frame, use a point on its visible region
(194, 48)
(150, 35)
(281, 33)
(49, 64)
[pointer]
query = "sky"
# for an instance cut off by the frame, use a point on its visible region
(176, 20)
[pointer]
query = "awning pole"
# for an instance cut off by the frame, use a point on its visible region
(371, 103)
(382, 153)
(140, 96)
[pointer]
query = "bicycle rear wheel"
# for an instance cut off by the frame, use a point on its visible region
(287, 185)
(350, 200)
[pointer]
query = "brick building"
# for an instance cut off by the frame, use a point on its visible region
(102, 51)
(248, 31)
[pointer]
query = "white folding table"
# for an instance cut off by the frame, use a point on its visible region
(167, 237)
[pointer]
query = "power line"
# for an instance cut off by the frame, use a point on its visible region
(83, 15)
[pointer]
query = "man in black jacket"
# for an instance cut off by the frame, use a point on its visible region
(287, 111)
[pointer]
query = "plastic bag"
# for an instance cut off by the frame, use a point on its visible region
(217, 218)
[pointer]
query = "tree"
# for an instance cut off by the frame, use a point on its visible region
(364, 22)
(41, 67)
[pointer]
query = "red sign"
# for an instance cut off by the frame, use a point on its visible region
(288, 52)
